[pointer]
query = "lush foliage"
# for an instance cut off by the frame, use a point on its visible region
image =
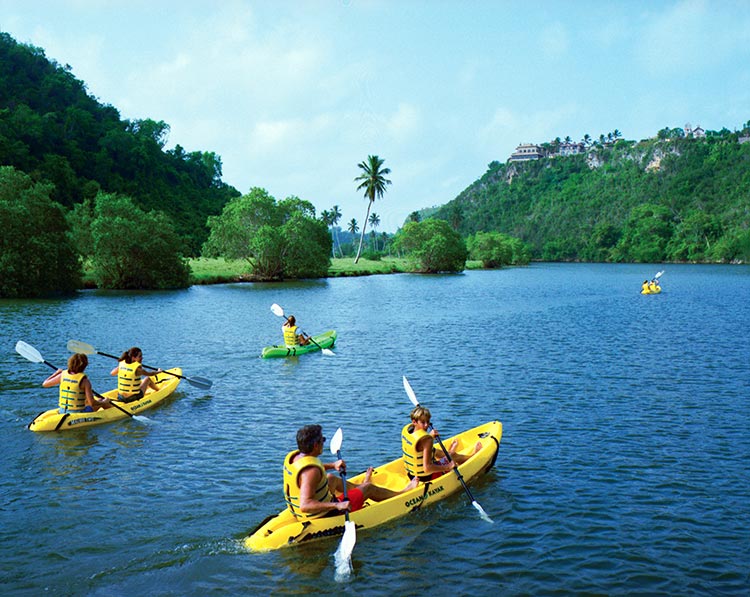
(126, 247)
(37, 257)
(664, 199)
(53, 130)
(495, 249)
(433, 246)
(277, 239)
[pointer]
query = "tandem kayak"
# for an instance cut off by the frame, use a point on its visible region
(655, 290)
(324, 340)
(53, 420)
(283, 529)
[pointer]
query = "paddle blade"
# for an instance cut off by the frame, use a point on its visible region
(658, 275)
(343, 556)
(80, 347)
(410, 392)
(482, 513)
(328, 352)
(277, 310)
(336, 441)
(200, 382)
(27, 351)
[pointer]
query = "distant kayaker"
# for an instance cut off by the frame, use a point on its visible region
(653, 285)
(291, 337)
(76, 393)
(132, 379)
(311, 492)
(421, 459)
(644, 286)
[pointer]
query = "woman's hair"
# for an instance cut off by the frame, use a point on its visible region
(420, 413)
(131, 354)
(77, 363)
(290, 321)
(308, 436)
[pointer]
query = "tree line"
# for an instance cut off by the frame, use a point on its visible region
(670, 198)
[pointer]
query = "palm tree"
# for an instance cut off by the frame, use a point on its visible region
(587, 139)
(374, 221)
(353, 227)
(373, 182)
(335, 217)
(414, 217)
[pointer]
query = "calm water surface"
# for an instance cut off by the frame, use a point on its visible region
(623, 467)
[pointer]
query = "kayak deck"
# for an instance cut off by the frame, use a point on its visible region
(284, 529)
(324, 340)
(52, 420)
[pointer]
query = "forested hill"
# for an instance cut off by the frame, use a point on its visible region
(670, 198)
(53, 130)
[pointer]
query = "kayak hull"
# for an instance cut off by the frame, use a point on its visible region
(284, 530)
(324, 340)
(657, 290)
(52, 420)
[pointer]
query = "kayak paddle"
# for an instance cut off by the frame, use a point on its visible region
(278, 311)
(32, 354)
(346, 547)
(82, 347)
(658, 275)
(415, 402)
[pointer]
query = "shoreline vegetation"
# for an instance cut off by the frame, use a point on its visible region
(222, 271)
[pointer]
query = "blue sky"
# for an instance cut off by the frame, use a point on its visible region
(293, 95)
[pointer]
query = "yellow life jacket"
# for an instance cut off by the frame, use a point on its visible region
(644, 287)
(652, 286)
(128, 382)
(413, 459)
(72, 395)
(291, 484)
(290, 335)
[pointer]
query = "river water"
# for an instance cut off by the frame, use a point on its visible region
(623, 467)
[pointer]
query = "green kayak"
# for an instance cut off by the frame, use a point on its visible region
(324, 340)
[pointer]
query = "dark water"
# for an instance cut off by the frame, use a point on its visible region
(623, 467)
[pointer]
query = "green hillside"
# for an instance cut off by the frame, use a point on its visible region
(54, 131)
(671, 198)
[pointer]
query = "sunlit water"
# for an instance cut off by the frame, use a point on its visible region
(623, 468)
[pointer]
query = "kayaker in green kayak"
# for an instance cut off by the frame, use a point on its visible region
(291, 337)
(311, 492)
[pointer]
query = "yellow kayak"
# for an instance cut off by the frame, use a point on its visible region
(53, 420)
(283, 529)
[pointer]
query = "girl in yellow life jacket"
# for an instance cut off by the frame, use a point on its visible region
(291, 337)
(132, 379)
(421, 459)
(76, 393)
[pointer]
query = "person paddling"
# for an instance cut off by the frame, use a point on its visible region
(291, 337)
(76, 393)
(311, 492)
(132, 379)
(421, 459)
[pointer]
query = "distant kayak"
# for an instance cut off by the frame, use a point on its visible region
(324, 340)
(283, 529)
(53, 420)
(651, 290)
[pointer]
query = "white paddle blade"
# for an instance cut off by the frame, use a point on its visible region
(410, 392)
(328, 352)
(80, 347)
(27, 351)
(336, 441)
(658, 275)
(277, 310)
(343, 555)
(482, 513)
